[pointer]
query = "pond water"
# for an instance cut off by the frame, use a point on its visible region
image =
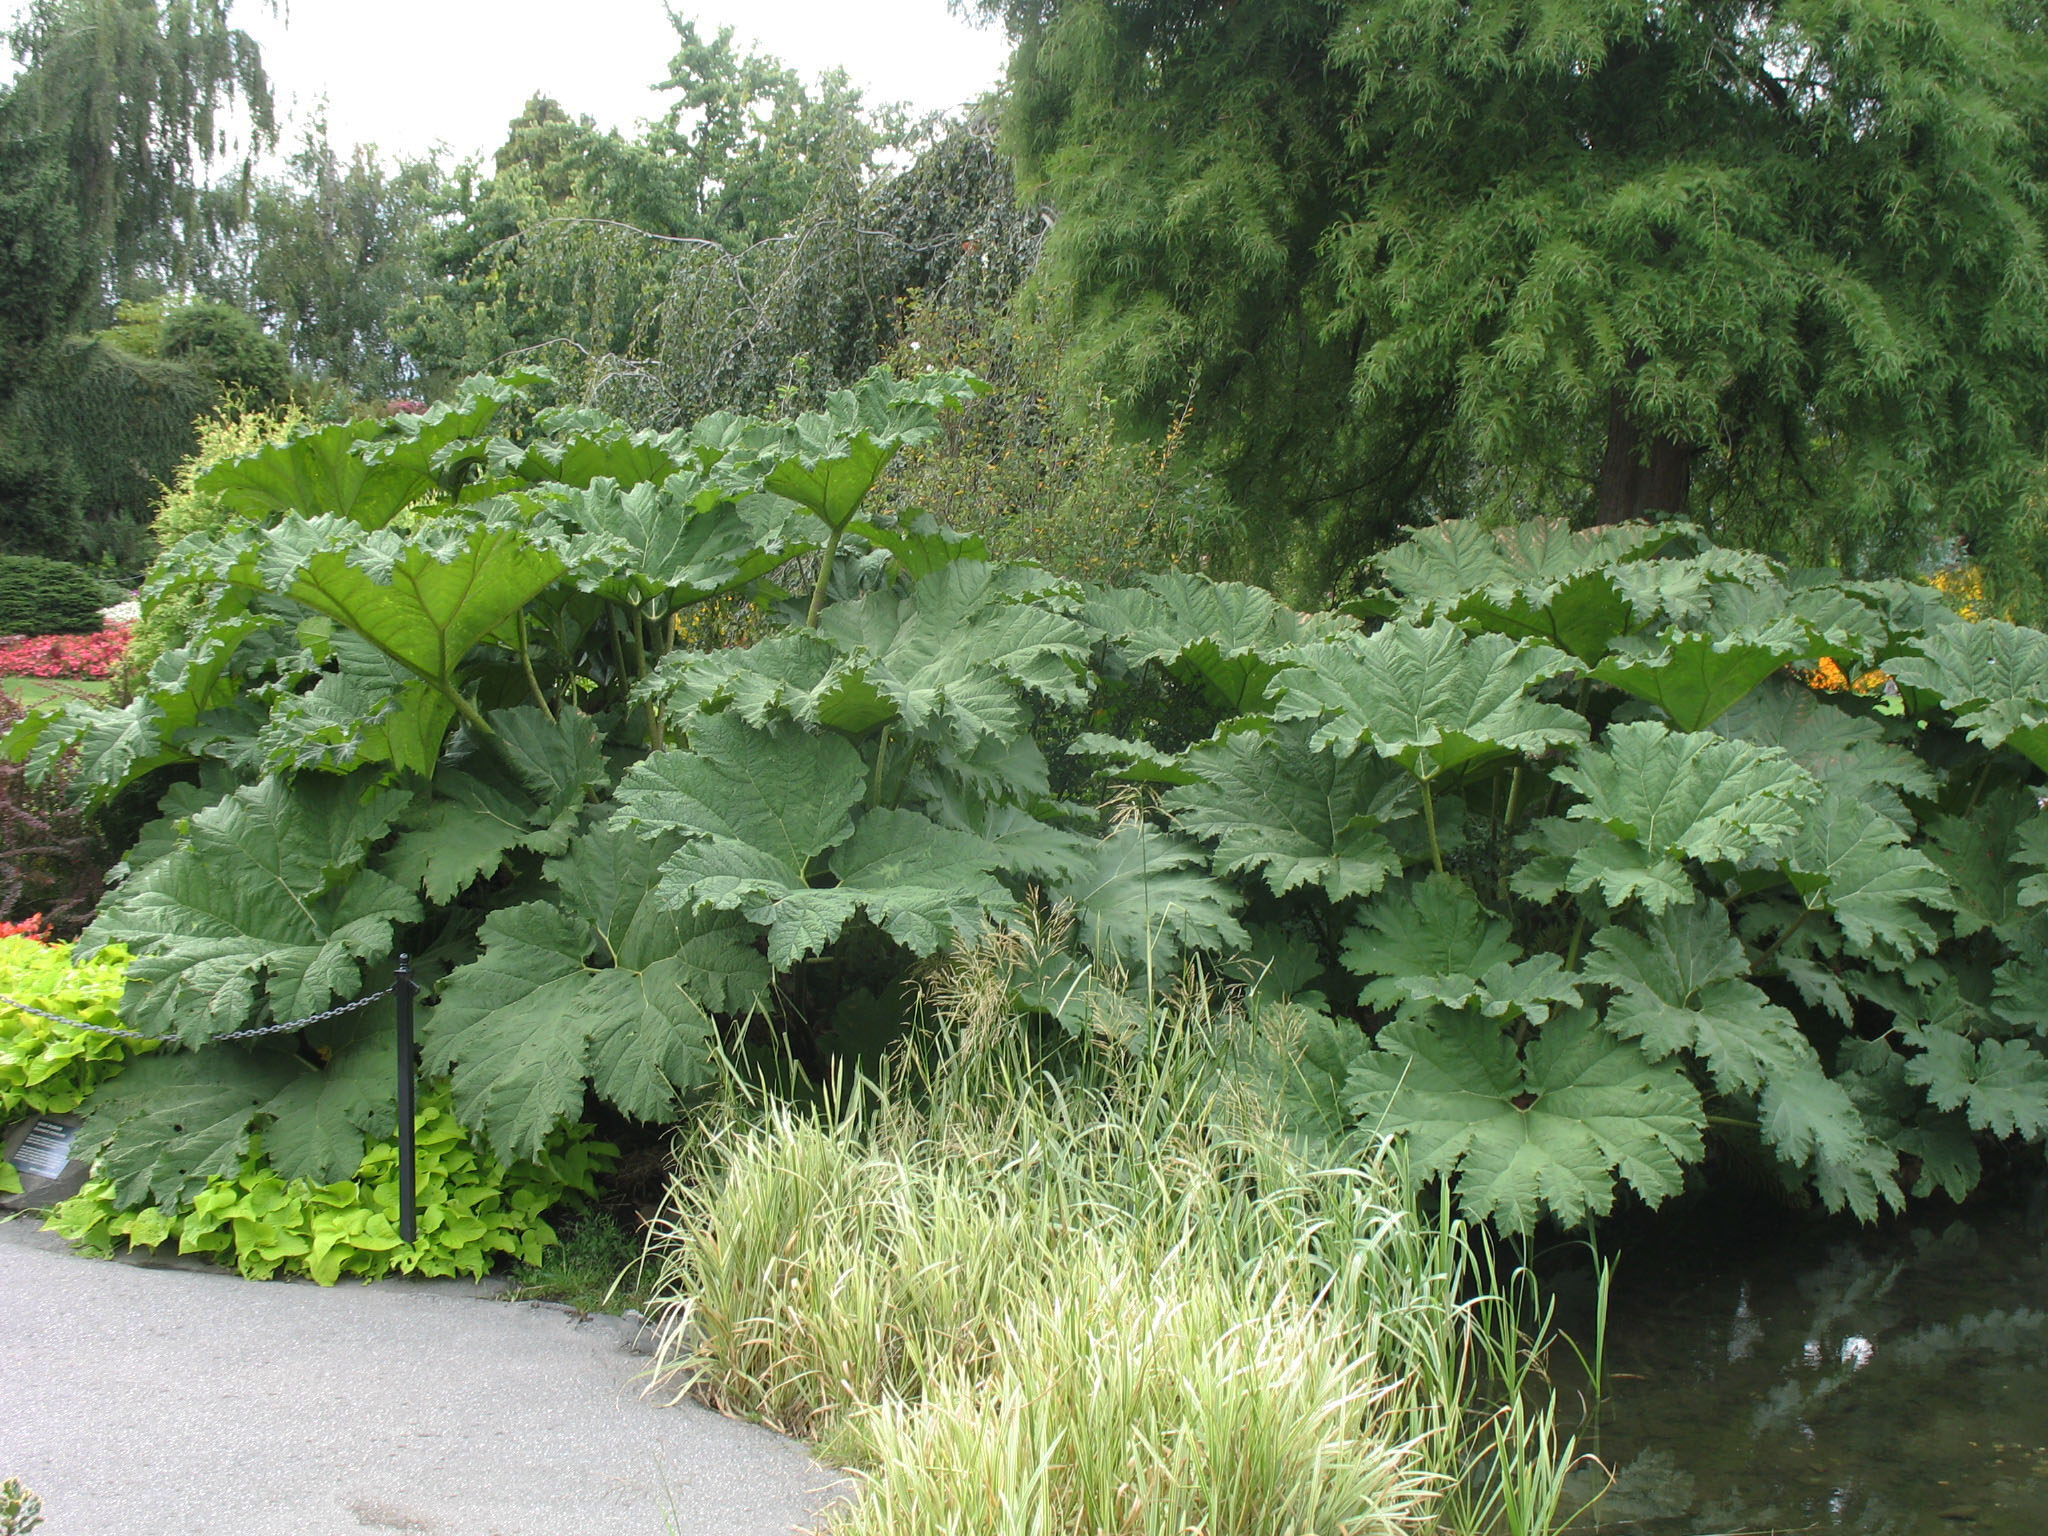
(1890, 1381)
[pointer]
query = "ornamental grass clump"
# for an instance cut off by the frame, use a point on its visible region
(1090, 1291)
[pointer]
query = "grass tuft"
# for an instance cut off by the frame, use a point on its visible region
(1099, 1296)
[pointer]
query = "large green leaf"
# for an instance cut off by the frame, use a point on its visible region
(1681, 984)
(919, 882)
(266, 904)
(1431, 698)
(364, 471)
(2001, 1084)
(1542, 1131)
(1850, 861)
(525, 793)
(1983, 855)
(1666, 797)
(1456, 558)
(825, 461)
(1142, 897)
(601, 984)
(680, 538)
(1832, 738)
(1430, 942)
(1221, 637)
(947, 660)
(424, 599)
(174, 1119)
(786, 793)
(1992, 675)
(1301, 817)
(761, 809)
(1696, 676)
(1812, 1123)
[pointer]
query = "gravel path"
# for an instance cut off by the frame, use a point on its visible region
(157, 1401)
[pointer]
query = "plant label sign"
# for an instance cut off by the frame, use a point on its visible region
(40, 1150)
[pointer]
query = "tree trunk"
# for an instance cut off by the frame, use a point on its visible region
(1641, 477)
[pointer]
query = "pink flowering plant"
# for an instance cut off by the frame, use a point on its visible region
(57, 656)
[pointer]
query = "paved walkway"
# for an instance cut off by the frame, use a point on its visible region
(147, 1401)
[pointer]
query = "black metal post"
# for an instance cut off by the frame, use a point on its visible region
(402, 989)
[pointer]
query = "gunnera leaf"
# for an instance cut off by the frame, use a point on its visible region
(1301, 817)
(265, 905)
(1431, 698)
(1832, 739)
(1546, 1130)
(1143, 897)
(1681, 984)
(1666, 797)
(2002, 1085)
(1221, 637)
(601, 984)
(1993, 676)
(1850, 861)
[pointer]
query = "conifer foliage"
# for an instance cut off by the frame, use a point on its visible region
(1593, 259)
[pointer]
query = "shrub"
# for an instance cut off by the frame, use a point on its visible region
(51, 857)
(183, 510)
(48, 597)
(471, 1208)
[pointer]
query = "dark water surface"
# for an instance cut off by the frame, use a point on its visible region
(1891, 1381)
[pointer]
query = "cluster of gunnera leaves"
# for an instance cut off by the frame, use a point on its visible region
(1544, 857)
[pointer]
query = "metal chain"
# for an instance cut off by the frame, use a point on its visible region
(240, 1034)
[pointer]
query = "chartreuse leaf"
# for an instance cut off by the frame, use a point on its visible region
(2001, 1084)
(1301, 817)
(424, 599)
(1431, 698)
(1993, 676)
(1546, 1130)
(1681, 984)
(265, 905)
(1141, 897)
(1431, 942)
(1221, 637)
(600, 984)
(1665, 797)
(1850, 861)
(1827, 736)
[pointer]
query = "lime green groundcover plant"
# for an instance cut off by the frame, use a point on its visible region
(47, 1068)
(471, 1209)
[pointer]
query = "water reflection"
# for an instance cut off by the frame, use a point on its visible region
(1893, 1382)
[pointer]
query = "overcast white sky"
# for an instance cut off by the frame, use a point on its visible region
(408, 74)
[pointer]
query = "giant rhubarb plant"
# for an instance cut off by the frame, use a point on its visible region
(1564, 871)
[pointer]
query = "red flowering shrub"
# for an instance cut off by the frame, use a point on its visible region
(30, 927)
(83, 656)
(50, 857)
